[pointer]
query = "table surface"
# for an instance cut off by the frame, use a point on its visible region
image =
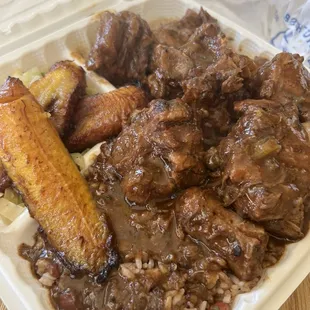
(299, 300)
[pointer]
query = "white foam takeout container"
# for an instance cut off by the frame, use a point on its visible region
(47, 36)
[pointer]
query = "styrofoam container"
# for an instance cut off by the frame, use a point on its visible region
(74, 31)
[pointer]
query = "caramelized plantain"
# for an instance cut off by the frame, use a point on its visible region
(102, 116)
(59, 91)
(51, 185)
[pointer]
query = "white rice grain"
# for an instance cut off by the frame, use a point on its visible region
(227, 297)
(41, 265)
(245, 287)
(178, 297)
(162, 268)
(151, 264)
(127, 273)
(225, 277)
(168, 303)
(47, 279)
(220, 291)
(173, 267)
(234, 279)
(171, 293)
(203, 305)
(138, 262)
(224, 286)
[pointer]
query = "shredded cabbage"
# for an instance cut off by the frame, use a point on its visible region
(9, 210)
(12, 196)
(78, 158)
(29, 76)
(91, 91)
(11, 206)
(90, 156)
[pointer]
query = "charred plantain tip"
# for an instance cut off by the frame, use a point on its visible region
(12, 89)
(113, 262)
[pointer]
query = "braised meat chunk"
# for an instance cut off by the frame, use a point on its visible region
(266, 163)
(206, 74)
(241, 243)
(176, 33)
(203, 64)
(171, 65)
(227, 79)
(159, 152)
(205, 45)
(59, 91)
(122, 49)
(285, 79)
(213, 91)
(102, 116)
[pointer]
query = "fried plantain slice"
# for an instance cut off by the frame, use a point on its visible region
(59, 91)
(101, 116)
(56, 194)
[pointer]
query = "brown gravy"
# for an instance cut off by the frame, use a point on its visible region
(159, 267)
